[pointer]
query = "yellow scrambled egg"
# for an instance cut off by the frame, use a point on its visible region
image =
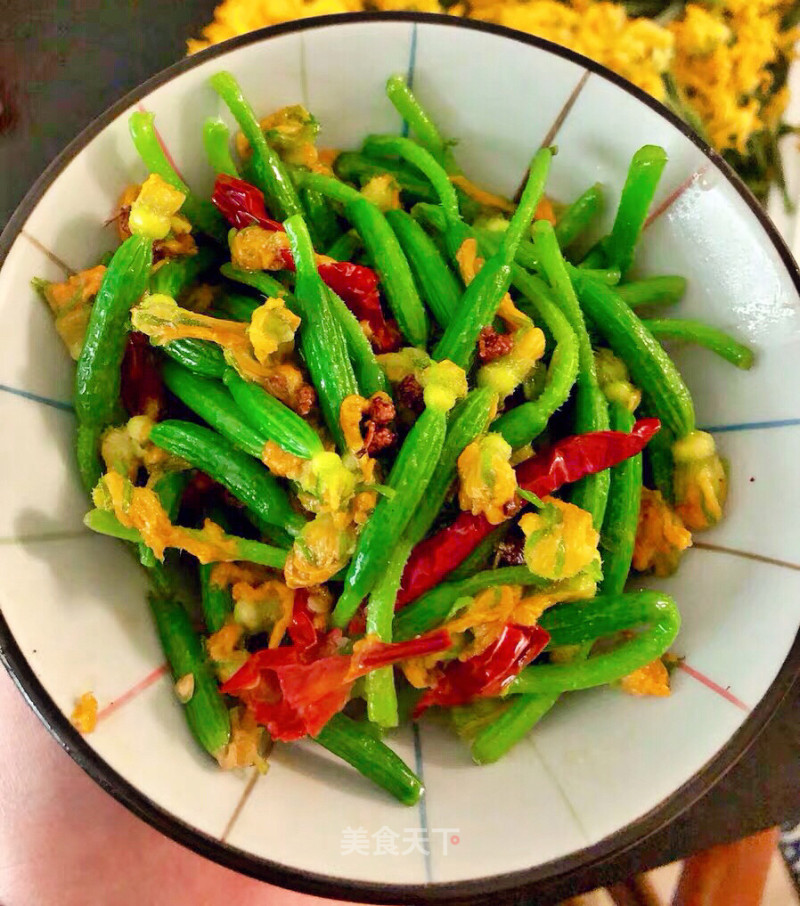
(487, 481)
(661, 536)
(560, 540)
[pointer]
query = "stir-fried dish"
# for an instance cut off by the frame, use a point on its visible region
(387, 444)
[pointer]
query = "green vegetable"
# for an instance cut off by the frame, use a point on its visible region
(97, 376)
(711, 338)
(201, 213)
(105, 523)
(484, 294)
(177, 274)
(650, 367)
(525, 422)
(206, 712)
(622, 513)
(217, 142)
(438, 286)
(652, 291)
(369, 374)
(267, 168)
(432, 608)
(356, 744)
(379, 684)
(322, 339)
(212, 402)
(576, 219)
(246, 479)
(198, 356)
(591, 411)
(579, 621)
(271, 419)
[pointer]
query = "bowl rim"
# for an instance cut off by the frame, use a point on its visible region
(506, 886)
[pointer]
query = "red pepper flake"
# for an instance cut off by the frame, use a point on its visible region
(486, 674)
(243, 205)
(566, 461)
(294, 690)
(141, 388)
(410, 394)
(492, 345)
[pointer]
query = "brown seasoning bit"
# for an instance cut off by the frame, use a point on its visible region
(492, 345)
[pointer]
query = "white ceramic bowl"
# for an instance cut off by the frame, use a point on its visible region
(604, 768)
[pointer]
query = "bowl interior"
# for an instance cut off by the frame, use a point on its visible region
(74, 603)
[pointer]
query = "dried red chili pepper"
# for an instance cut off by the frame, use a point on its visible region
(489, 672)
(566, 461)
(141, 386)
(242, 205)
(294, 690)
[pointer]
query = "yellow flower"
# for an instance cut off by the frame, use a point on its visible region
(701, 485)
(560, 540)
(487, 479)
(661, 537)
(272, 329)
(154, 209)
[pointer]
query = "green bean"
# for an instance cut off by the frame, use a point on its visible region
(177, 274)
(198, 356)
(200, 212)
(512, 725)
(356, 744)
(484, 294)
(97, 379)
(212, 402)
(217, 142)
(271, 419)
(479, 559)
(206, 712)
(468, 420)
(665, 290)
(395, 145)
(370, 376)
(621, 520)
(438, 286)
(591, 411)
(169, 490)
(419, 122)
(379, 684)
(661, 463)
(216, 600)
(237, 307)
(264, 283)
(351, 166)
(346, 246)
(393, 269)
(267, 168)
(383, 250)
(105, 523)
(577, 621)
(576, 219)
(410, 475)
(432, 608)
(651, 368)
(323, 224)
(87, 447)
(704, 335)
(247, 480)
(640, 186)
(322, 339)
(524, 423)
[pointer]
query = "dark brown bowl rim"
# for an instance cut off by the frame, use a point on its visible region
(518, 885)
